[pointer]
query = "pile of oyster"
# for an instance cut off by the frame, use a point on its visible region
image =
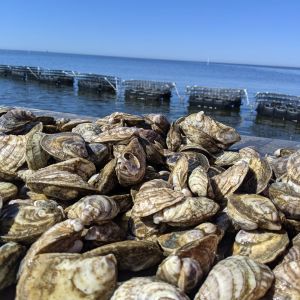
(133, 207)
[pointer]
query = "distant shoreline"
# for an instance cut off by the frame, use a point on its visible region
(154, 59)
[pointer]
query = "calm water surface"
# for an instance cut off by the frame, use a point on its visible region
(66, 99)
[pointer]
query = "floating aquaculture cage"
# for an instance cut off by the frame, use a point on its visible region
(5, 70)
(279, 106)
(147, 90)
(215, 97)
(56, 77)
(98, 83)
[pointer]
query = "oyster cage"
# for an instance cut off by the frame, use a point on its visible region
(278, 106)
(98, 83)
(57, 77)
(5, 70)
(147, 90)
(215, 97)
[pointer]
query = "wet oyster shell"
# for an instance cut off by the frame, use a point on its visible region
(262, 246)
(149, 288)
(251, 211)
(71, 276)
(189, 212)
(94, 209)
(65, 145)
(131, 255)
(149, 201)
(8, 191)
(236, 277)
(25, 222)
(287, 276)
(10, 256)
(131, 165)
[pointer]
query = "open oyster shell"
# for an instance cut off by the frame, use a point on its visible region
(236, 277)
(69, 276)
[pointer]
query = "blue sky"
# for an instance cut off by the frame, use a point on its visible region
(240, 31)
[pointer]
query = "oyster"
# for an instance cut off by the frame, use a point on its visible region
(12, 155)
(131, 165)
(179, 175)
(227, 158)
(294, 251)
(174, 137)
(115, 135)
(149, 201)
(236, 277)
(10, 256)
(287, 276)
(71, 276)
(68, 126)
(8, 191)
(88, 131)
(98, 153)
(149, 288)
(94, 209)
(105, 181)
(278, 164)
(198, 181)
(131, 255)
(286, 199)
(262, 246)
(189, 212)
(229, 181)
(25, 222)
(159, 123)
(63, 146)
(251, 211)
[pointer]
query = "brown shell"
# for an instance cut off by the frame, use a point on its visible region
(227, 158)
(131, 255)
(115, 135)
(65, 145)
(147, 202)
(189, 212)
(88, 131)
(278, 164)
(131, 165)
(252, 211)
(25, 222)
(262, 246)
(68, 275)
(294, 251)
(174, 139)
(293, 167)
(68, 126)
(179, 175)
(8, 191)
(158, 122)
(10, 256)
(198, 181)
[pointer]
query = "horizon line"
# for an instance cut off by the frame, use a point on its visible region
(152, 58)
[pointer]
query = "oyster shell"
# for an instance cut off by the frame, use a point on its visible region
(131, 255)
(63, 146)
(131, 165)
(179, 175)
(294, 251)
(159, 123)
(149, 288)
(98, 153)
(198, 181)
(70, 276)
(227, 158)
(174, 139)
(25, 222)
(185, 273)
(94, 209)
(189, 212)
(252, 211)
(287, 276)
(68, 126)
(229, 181)
(10, 256)
(278, 164)
(88, 131)
(236, 277)
(149, 201)
(115, 135)
(8, 191)
(262, 246)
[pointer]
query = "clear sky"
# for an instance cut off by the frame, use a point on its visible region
(241, 31)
